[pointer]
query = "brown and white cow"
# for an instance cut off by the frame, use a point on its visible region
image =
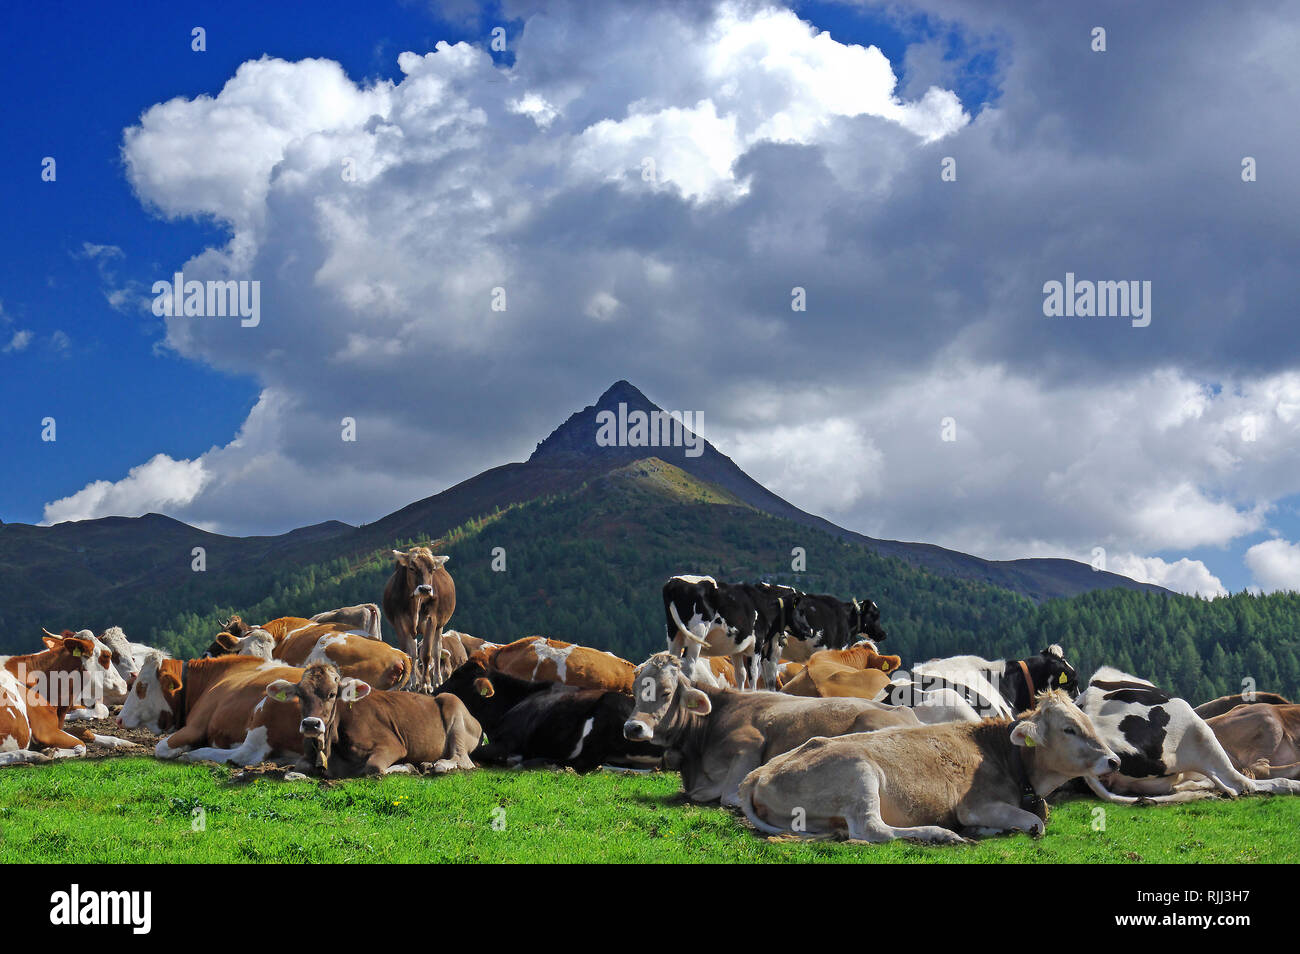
(39, 689)
(859, 672)
(374, 733)
(717, 736)
(356, 654)
(538, 659)
(1262, 739)
(927, 783)
(419, 600)
(214, 709)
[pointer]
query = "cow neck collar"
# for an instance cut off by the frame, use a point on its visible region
(1030, 800)
(1029, 682)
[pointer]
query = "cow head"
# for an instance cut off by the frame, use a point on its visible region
(1063, 741)
(864, 619)
(420, 565)
(318, 694)
(124, 660)
(793, 620)
(1051, 671)
(661, 693)
(79, 670)
(154, 697)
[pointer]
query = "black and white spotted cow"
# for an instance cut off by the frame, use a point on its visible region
(1159, 737)
(993, 688)
(833, 624)
(739, 620)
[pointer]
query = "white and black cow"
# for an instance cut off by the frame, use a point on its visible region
(740, 620)
(1159, 737)
(833, 624)
(997, 688)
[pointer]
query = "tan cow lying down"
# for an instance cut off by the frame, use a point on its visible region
(1263, 739)
(859, 672)
(374, 733)
(538, 659)
(214, 709)
(925, 783)
(298, 642)
(715, 737)
(1208, 710)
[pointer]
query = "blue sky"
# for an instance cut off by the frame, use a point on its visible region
(926, 296)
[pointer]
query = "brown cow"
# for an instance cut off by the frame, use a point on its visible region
(418, 602)
(363, 617)
(538, 659)
(859, 673)
(356, 654)
(214, 709)
(375, 731)
(1208, 710)
(1262, 739)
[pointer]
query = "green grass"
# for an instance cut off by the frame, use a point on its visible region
(140, 810)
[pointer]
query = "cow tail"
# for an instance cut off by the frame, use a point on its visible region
(681, 627)
(746, 797)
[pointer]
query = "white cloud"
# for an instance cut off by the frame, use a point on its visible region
(1275, 565)
(159, 482)
(1192, 577)
(19, 341)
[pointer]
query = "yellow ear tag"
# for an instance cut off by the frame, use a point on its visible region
(1029, 742)
(282, 695)
(76, 653)
(1063, 680)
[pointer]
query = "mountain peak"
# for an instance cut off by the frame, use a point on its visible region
(576, 437)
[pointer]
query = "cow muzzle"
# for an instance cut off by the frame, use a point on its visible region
(424, 589)
(312, 728)
(634, 730)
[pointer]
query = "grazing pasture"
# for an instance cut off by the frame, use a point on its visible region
(143, 810)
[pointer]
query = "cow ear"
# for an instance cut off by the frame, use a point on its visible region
(51, 642)
(227, 641)
(75, 645)
(440, 560)
(484, 687)
(400, 556)
(169, 683)
(696, 701)
(353, 689)
(281, 690)
(1027, 734)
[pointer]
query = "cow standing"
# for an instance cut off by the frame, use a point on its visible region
(744, 621)
(833, 624)
(418, 602)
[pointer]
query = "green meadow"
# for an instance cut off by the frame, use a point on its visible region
(142, 810)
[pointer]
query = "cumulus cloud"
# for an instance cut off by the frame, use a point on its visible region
(159, 482)
(382, 219)
(18, 341)
(1275, 565)
(1192, 577)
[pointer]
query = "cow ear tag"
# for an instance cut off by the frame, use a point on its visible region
(1062, 678)
(282, 695)
(1029, 742)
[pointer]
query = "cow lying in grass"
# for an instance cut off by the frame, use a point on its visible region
(1262, 739)
(717, 736)
(538, 721)
(926, 783)
(348, 729)
(1159, 738)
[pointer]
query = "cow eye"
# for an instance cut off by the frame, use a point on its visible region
(1069, 730)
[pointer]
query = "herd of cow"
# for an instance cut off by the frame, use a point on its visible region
(768, 699)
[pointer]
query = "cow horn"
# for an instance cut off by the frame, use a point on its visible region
(48, 633)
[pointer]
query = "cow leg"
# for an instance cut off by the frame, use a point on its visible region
(740, 663)
(407, 644)
(998, 817)
(382, 759)
(51, 736)
(867, 824)
(1106, 795)
(431, 660)
(180, 741)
